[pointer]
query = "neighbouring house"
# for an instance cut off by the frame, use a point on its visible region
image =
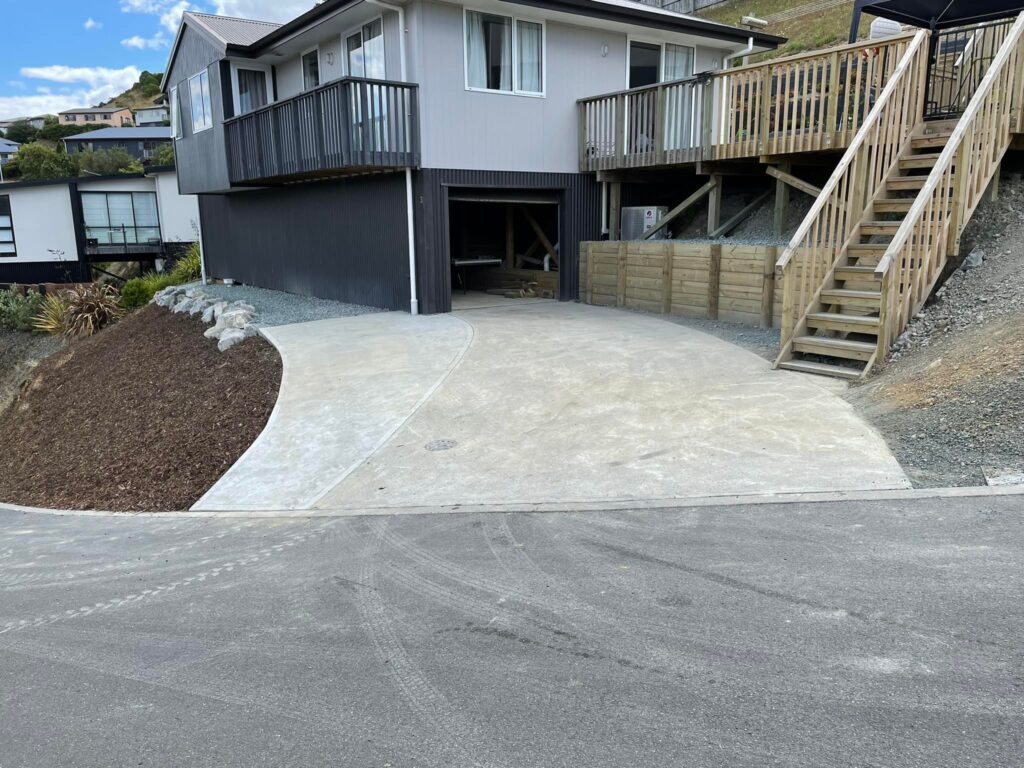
(155, 116)
(140, 143)
(8, 149)
(36, 122)
(375, 152)
(50, 231)
(114, 116)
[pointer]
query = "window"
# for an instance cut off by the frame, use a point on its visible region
(252, 89)
(504, 54)
(175, 114)
(70, 118)
(202, 108)
(7, 249)
(311, 69)
(650, 63)
(365, 51)
(121, 218)
(106, 117)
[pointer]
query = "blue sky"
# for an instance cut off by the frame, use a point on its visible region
(58, 54)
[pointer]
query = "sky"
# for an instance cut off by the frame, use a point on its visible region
(59, 54)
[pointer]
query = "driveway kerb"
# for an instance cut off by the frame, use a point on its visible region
(562, 507)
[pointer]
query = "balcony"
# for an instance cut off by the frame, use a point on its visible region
(350, 125)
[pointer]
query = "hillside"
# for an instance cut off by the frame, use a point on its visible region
(139, 95)
(825, 23)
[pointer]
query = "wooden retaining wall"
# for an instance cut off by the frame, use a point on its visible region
(732, 283)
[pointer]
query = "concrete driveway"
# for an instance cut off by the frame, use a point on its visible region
(539, 403)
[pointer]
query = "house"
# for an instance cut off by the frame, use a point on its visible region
(376, 151)
(7, 150)
(114, 116)
(36, 122)
(149, 117)
(50, 231)
(140, 143)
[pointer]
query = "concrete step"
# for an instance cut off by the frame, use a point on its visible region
(821, 369)
(848, 298)
(844, 348)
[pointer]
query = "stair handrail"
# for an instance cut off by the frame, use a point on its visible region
(946, 200)
(848, 196)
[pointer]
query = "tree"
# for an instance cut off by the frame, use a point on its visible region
(149, 83)
(106, 162)
(37, 161)
(20, 131)
(55, 132)
(164, 155)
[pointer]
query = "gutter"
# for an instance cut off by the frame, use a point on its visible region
(410, 218)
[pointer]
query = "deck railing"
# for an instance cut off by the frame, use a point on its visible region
(917, 254)
(961, 57)
(810, 101)
(821, 240)
(350, 123)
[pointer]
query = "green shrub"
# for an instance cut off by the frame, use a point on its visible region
(138, 291)
(51, 314)
(17, 309)
(188, 268)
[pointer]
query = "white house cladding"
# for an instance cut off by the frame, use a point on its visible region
(317, 145)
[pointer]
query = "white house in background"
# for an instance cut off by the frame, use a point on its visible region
(152, 117)
(369, 150)
(8, 149)
(51, 230)
(36, 122)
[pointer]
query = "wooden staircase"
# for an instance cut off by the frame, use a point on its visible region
(842, 338)
(870, 251)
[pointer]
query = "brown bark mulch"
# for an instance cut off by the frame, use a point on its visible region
(144, 416)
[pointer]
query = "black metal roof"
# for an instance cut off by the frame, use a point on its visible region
(943, 14)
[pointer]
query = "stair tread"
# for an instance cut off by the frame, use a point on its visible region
(851, 293)
(865, 320)
(828, 341)
(825, 369)
(857, 269)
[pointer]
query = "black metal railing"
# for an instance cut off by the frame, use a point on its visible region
(350, 123)
(959, 60)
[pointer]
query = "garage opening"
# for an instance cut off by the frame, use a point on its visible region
(503, 244)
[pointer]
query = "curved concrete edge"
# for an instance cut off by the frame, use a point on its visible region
(959, 492)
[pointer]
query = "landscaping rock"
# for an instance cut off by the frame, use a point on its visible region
(233, 336)
(974, 259)
(212, 312)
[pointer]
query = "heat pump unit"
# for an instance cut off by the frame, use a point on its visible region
(638, 219)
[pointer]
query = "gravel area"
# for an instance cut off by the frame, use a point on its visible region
(756, 229)
(950, 401)
(279, 308)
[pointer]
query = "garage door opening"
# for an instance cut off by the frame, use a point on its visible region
(503, 245)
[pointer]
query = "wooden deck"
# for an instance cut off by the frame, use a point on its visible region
(810, 102)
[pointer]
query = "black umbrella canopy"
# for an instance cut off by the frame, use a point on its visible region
(943, 14)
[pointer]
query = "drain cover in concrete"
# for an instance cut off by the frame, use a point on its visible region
(440, 445)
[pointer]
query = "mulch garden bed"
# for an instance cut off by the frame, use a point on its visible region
(144, 416)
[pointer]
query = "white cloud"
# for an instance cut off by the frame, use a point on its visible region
(93, 85)
(169, 12)
(263, 10)
(157, 41)
(92, 24)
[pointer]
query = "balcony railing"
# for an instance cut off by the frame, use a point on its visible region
(811, 101)
(345, 126)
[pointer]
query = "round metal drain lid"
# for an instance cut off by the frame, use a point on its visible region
(440, 445)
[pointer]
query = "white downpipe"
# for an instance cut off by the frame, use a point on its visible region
(728, 59)
(414, 303)
(604, 207)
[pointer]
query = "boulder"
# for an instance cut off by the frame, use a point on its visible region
(232, 336)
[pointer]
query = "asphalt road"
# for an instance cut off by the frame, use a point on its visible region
(846, 634)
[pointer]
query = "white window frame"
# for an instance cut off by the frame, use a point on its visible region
(265, 69)
(191, 107)
(343, 47)
(630, 39)
(302, 69)
(175, 113)
(515, 54)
